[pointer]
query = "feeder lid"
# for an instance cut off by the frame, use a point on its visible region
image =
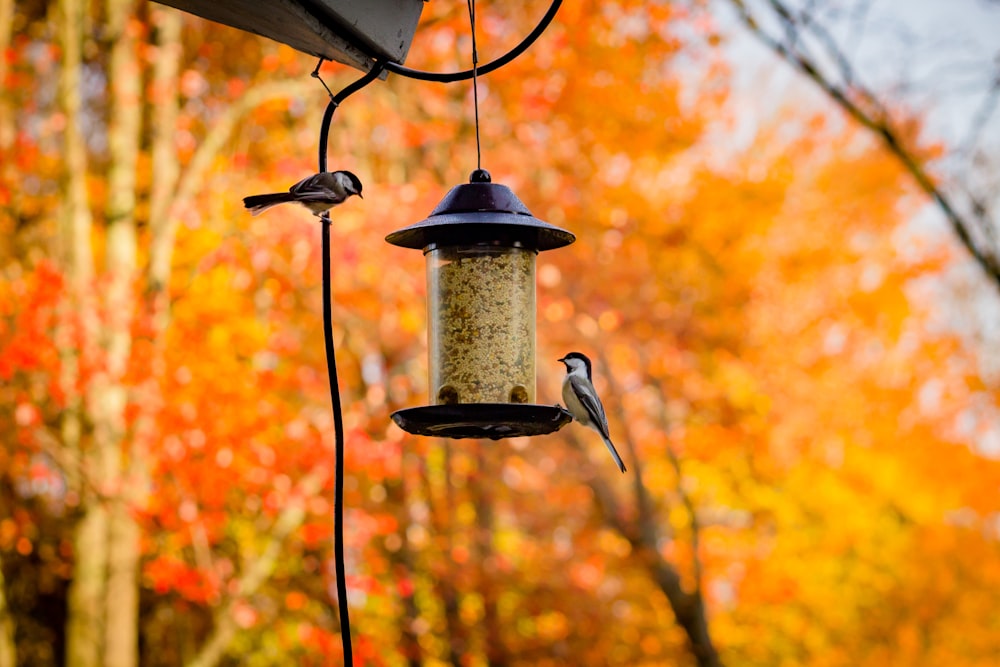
(482, 420)
(481, 212)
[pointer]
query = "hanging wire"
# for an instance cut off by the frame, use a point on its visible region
(475, 79)
(331, 366)
(451, 77)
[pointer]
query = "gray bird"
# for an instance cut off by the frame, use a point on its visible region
(582, 401)
(318, 193)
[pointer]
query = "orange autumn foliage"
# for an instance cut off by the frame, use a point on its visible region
(809, 443)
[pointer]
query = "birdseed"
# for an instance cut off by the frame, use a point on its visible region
(481, 308)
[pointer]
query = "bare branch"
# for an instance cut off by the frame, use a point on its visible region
(164, 230)
(258, 571)
(982, 115)
(881, 125)
(858, 19)
(685, 497)
(647, 535)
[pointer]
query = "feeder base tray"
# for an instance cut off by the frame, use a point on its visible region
(482, 420)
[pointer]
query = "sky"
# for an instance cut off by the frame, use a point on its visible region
(940, 58)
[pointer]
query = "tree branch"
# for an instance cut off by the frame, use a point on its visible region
(982, 114)
(648, 534)
(257, 573)
(686, 500)
(879, 124)
(164, 229)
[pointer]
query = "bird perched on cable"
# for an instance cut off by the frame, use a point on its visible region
(318, 193)
(582, 401)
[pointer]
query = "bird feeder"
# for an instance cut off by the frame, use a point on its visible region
(480, 245)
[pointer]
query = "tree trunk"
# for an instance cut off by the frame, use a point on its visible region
(126, 467)
(84, 631)
(442, 523)
(497, 654)
(7, 127)
(75, 221)
(404, 567)
(8, 649)
(164, 157)
(8, 130)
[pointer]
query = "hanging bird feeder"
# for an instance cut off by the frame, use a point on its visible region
(481, 243)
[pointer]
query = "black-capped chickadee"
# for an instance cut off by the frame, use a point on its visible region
(318, 193)
(582, 401)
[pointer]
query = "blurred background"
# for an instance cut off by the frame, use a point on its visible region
(775, 206)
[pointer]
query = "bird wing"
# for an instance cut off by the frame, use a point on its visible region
(591, 403)
(316, 188)
(319, 196)
(315, 182)
(583, 391)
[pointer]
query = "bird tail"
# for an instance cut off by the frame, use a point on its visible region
(257, 204)
(614, 452)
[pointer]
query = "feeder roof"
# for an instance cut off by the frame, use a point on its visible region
(347, 31)
(481, 213)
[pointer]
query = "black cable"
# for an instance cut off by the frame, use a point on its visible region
(475, 80)
(331, 370)
(450, 77)
(338, 429)
(335, 101)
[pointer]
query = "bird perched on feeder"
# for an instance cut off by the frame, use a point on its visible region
(318, 193)
(582, 401)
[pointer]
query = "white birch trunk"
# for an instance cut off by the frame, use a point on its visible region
(84, 636)
(125, 464)
(8, 649)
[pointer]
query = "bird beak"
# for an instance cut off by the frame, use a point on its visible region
(563, 359)
(359, 196)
